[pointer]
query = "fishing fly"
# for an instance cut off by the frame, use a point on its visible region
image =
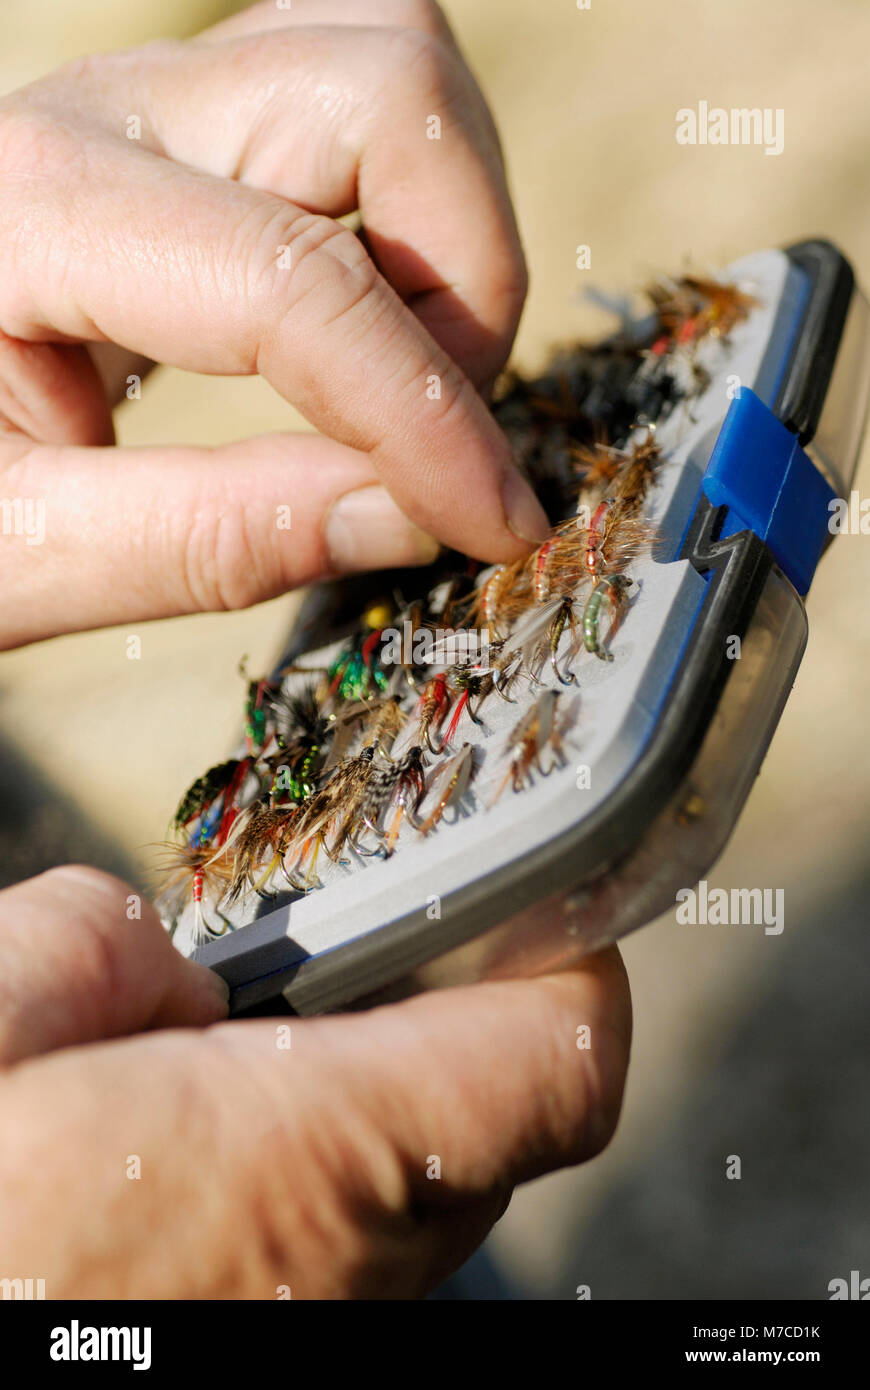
(609, 595)
(535, 732)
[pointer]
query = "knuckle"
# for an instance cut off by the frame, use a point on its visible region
(32, 143)
(288, 257)
(326, 277)
(85, 70)
(99, 898)
(457, 395)
(35, 151)
(220, 564)
(79, 73)
(424, 15)
(95, 889)
(421, 63)
(92, 74)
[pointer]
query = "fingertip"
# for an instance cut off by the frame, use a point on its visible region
(200, 998)
(525, 517)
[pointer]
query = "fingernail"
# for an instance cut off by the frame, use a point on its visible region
(366, 530)
(524, 514)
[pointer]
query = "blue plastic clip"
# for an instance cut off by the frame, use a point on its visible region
(770, 486)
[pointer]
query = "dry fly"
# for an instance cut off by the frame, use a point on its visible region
(410, 788)
(457, 774)
(336, 804)
(540, 633)
(384, 781)
(500, 598)
(692, 307)
(432, 710)
(258, 844)
(192, 873)
(536, 731)
(635, 474)
(384, 725)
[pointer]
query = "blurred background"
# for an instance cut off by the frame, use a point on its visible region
(745, 1044)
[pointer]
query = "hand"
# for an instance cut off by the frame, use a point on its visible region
(179, 202)
(266, 1169)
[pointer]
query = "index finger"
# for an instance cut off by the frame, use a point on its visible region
(505, 1080)
(431, 181)
(212, 276)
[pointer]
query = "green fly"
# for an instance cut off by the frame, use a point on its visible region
(612, 590)
(357, 672)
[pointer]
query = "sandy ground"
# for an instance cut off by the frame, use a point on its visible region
(745, 1044)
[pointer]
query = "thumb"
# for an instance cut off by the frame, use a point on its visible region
(78, 964)
(125, 535)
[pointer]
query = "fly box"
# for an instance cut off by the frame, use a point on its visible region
(438, 753)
